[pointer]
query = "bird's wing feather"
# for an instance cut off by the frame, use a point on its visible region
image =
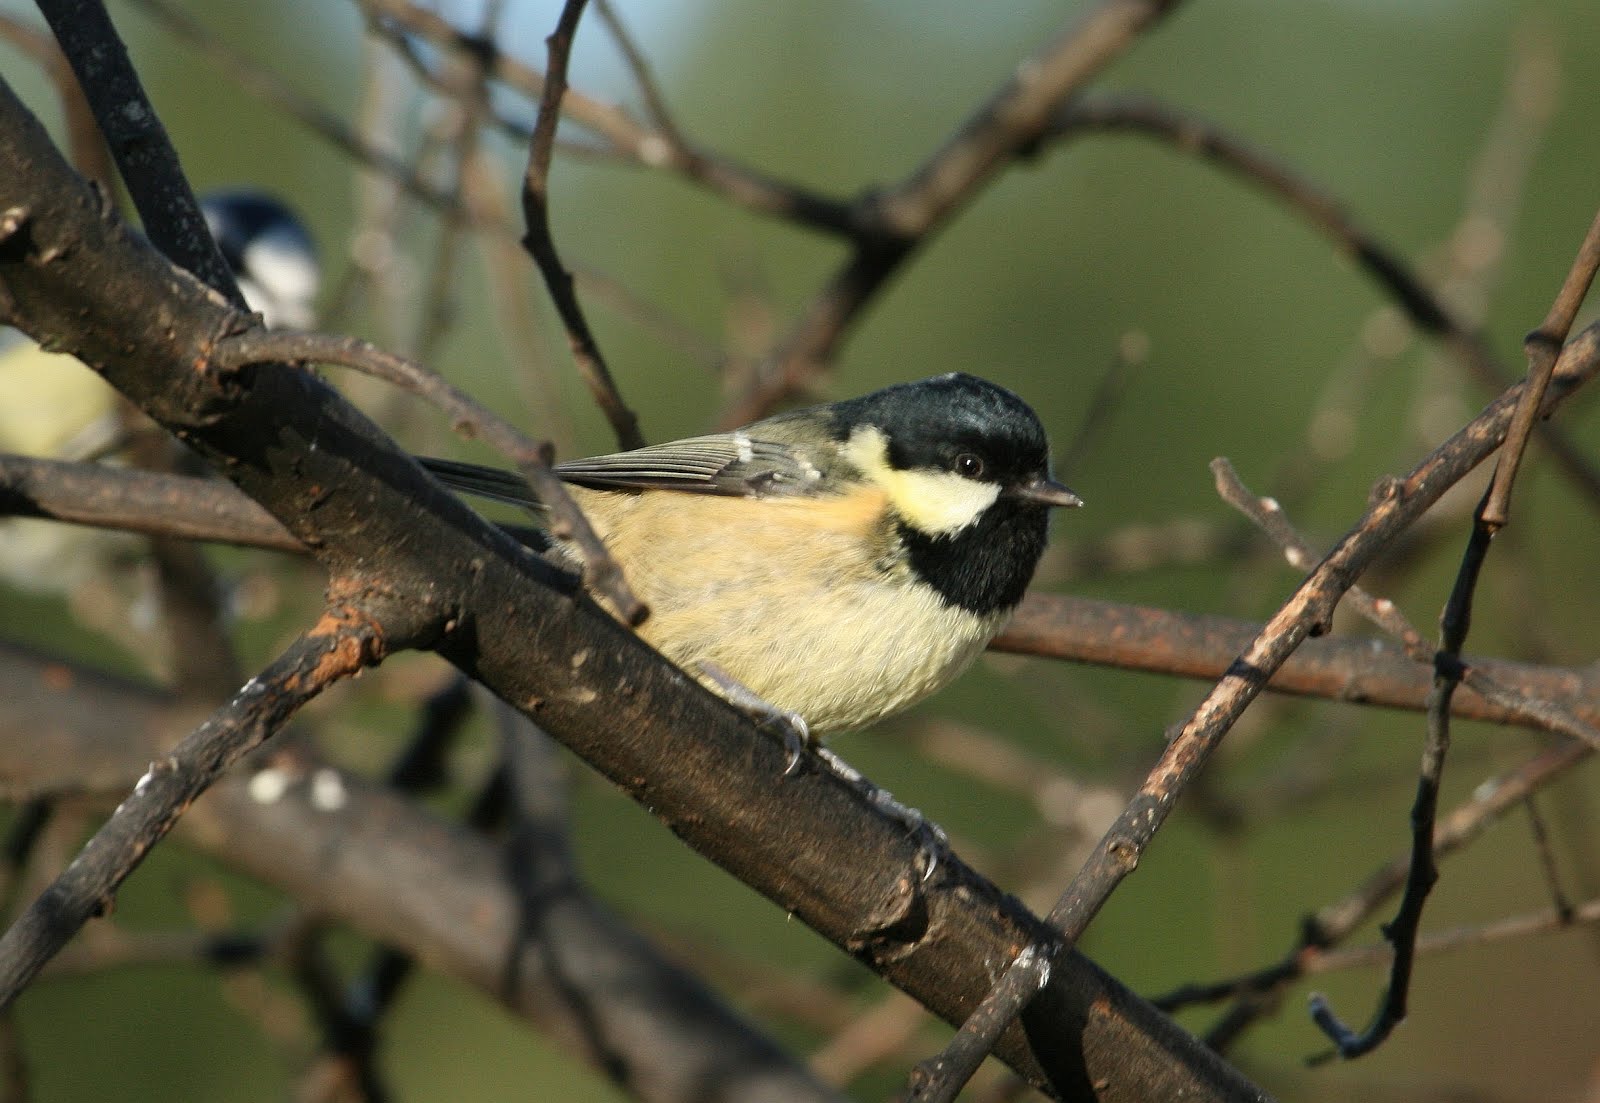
(729, 464)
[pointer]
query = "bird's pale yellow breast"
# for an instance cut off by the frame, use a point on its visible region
(794, 598)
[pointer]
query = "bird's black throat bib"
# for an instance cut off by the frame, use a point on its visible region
(986, 567)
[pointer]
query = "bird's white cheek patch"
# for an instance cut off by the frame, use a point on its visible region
(939, 503)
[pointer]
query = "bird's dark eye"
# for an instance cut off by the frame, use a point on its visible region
(969, 466)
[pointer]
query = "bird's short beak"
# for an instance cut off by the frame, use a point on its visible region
(1045, 492)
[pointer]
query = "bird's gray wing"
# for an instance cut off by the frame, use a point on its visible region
(730, 464)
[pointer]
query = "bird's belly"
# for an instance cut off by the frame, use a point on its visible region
(841, 658)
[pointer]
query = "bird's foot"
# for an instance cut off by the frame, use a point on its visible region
(788, 726)
(791, 727)
(929, 835)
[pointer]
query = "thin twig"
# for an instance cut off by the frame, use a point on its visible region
(655, 103)
(1456, 938)
(468, 417)
(1543, 346)
(1547, 859)
(542, 247)
(338, 647)
(1268, 516)
(1133, 349)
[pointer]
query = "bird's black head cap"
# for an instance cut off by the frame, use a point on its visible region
(942, 424)
(240, 217)
(930, 422)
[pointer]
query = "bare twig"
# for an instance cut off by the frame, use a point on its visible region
(336, 648)
(1110, 388)
(654, 102)
(895, 222)
(1547, 859)
(1543, 346)
(1395, 504)
(1268, 516)
(1456, 938)
(468, 417)
(542, 247)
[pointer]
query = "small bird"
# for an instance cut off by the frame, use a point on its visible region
(270, 253)
(838, 563)
(53, 406)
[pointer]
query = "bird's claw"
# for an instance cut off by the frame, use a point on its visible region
(789, 726)
(930, 836)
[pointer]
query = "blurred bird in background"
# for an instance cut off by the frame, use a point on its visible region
(53, 407)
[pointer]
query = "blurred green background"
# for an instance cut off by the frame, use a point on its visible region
(1263, 344)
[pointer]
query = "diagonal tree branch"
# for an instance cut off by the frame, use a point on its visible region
(337, 648)
(1394, 505)
(374, 520)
